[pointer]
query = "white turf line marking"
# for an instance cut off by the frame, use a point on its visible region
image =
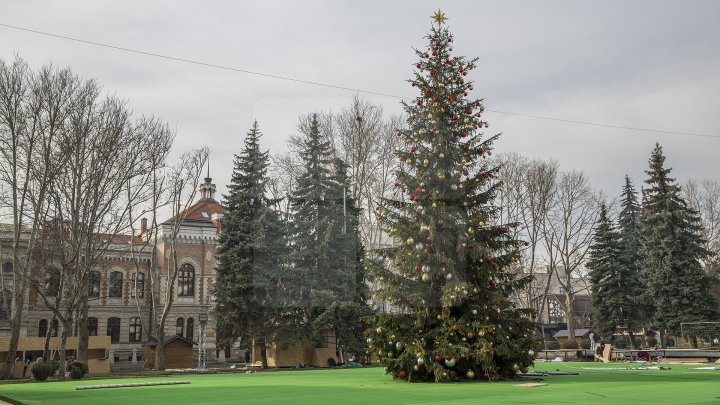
(145, 384)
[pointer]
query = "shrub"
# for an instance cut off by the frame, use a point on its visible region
(585, 344)
(638, 342)
(620, 343)
(651, 342)
(41, 371)
(55, 365)
(553, 345)
(78, 369)
(570, 344)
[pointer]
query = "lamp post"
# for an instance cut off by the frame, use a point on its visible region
(202, 364)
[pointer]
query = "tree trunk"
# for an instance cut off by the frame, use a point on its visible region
(160, 348)
(263, 354)
(15, 323)
(569, 315)
(48, 335)
(66, 325)
(83, 337)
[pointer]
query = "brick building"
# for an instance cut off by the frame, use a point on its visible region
(113, 302)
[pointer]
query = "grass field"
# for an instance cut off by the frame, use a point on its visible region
(680, 385)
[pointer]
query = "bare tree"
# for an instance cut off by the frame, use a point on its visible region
(568, 234)
(704, 197)
(182, 182)
(33, 110)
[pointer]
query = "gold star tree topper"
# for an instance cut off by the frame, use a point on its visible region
(439, 17)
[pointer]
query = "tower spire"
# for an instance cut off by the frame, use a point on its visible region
(207, 189)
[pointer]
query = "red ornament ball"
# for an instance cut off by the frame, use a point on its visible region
(402, 374)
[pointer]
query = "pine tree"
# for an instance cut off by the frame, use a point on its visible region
(448, 274)
(326, 285)
(251, 247)
(606, 275)
(672, 248)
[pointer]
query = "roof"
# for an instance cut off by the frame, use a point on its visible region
(578, 332)
(202, 211)
(153, 341)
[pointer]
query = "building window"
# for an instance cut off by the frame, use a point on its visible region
(113, 329)
(54, 328)
(42, 328)
(138, 284)
(92, 325)
(135, 330)
(52, 282)
(5, 304)
(7, 267)
(94, 284)
(179, 327)
(116, 281)
(555, 311)
(190, 328)
(186, 281)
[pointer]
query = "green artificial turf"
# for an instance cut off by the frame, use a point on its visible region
(680, 385)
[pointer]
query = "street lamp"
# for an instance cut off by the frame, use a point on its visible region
(202, 363)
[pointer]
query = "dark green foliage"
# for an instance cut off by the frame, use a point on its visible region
(326, 292)
(553, 345)
(672, 249)
(448, 275)
(41, 371)
(571, 344)
(78, 369)
(252, 246)
(585, 344)
(651, 342)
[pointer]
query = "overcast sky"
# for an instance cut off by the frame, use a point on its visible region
(647, 64)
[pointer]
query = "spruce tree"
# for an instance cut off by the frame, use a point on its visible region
(636, 309)
(448, 274)
(325, 285)
(250, 252)
(606, 275)
(672, 248)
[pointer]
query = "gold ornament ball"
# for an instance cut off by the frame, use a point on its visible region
(442, 155)
(410, 241)
(426, 162)
(425, 277)
(470, 374)
(516, 367)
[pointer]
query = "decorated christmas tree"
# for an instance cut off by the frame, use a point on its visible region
(447, 276)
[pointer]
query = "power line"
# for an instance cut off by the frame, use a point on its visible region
(333, 86)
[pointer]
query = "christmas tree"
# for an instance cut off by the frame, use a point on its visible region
(448, 274)
(250, 253)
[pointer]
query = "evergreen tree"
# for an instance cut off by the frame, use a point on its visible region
(606, 275)
(672, 248)
(448, 275)
(636, 308)
(250, 252)
(325, 286)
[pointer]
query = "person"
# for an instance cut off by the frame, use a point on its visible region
(247, 355)
(26, 363)
(598, 351)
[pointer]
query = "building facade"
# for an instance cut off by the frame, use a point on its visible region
(119, 310)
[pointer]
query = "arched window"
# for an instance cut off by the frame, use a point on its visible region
(113, 329)
(42, 328)
(5, 304)
(186, 281)
(92, 325)
(116, 281)
(54, 328)
(52, 282)
(179, 326)
(190, 328)
(7, 267)
(135, 330)
(138, 284)
(94, 284)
